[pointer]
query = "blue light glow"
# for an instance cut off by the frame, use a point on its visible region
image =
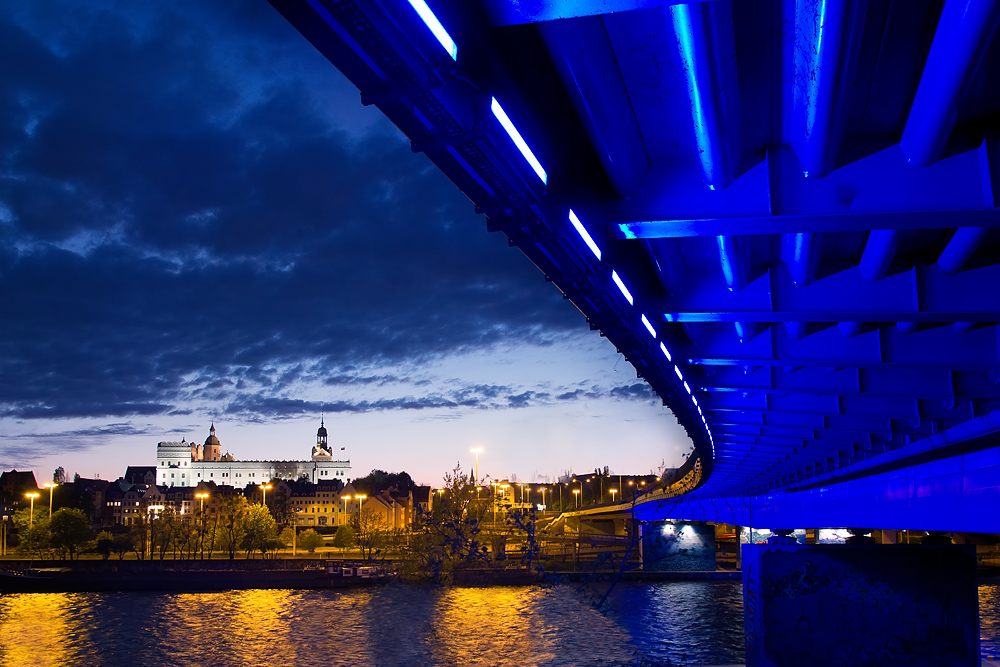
(518, 141)
(427, 16)
(687, 388)
(621, 286)
(681, 15)
(649, 327)
(666, 352)
(627, 231)
(679, 376)
(584, 234)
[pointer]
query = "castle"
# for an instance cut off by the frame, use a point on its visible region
(188, 463)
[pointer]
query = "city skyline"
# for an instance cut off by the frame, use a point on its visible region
(200, 222)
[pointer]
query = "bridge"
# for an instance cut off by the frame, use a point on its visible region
(784, 214)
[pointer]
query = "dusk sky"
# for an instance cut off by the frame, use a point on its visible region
(200, 221)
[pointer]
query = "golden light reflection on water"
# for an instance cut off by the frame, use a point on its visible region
(43, 629)
(489, 625)
(388, 626)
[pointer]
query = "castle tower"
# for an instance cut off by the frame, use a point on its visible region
(322, 452)
(213, 448)
(195, 452)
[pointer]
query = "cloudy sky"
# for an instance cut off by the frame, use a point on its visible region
(200, 221)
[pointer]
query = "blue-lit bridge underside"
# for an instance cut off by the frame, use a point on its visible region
(784, 215)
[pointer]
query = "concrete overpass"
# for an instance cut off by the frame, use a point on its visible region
(784, 214)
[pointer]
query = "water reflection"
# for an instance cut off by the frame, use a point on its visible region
(681, 623)
(45, 629)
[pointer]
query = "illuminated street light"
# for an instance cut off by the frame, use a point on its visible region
(31, 517)
(345, 499)
(51, 488)
(543, 490)
(264, 488)
(576, 492)
(612, 492)
(201, 538)
(149, 525)
(477, 451)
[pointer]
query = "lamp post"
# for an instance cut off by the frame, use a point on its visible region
(31, 516)
(612, 492)
(576, 492)
(51, 488)
(345, 499)
(476, 451)
(264, 488)
(295, 528)
(149, 522)
(543, 490)
(201, 539)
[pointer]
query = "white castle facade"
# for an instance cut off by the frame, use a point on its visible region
(188, 464)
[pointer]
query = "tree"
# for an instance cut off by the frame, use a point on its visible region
(260, 531)
(121, 544)
(105, 544)
(59, 476)
(378, 481)
(451, 538)
(32, 533)
(345, 537)
(310, 540)
(70, 530)
(231, 527)
(138, 537)
(370, 527)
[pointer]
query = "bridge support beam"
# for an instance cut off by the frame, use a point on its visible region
(955, 493)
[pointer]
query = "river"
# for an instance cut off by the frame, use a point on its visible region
(674, 623)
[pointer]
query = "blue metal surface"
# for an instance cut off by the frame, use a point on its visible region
(963, 34)
(797, 326)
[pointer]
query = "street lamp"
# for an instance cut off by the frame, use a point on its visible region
(476, 451)
(264, 488)
(31, 517)
(51, 488)
(576, 492)
(295, 528)
(345, 499)
(543, 490)
(612, 492)
(149, 523)
(201, 497)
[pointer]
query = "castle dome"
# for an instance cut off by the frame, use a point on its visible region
(211, 439)
(321, 431)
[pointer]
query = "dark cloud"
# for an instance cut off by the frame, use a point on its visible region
(187, 215)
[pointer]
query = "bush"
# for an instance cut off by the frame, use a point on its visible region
(310, 540)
